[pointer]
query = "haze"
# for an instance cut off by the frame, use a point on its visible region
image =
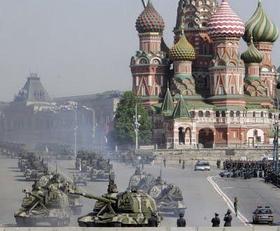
(83, 46)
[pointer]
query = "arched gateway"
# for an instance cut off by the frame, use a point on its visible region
(206, 137)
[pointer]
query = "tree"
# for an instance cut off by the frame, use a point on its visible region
(123, 132)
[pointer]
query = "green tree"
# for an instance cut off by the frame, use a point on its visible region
(123, 131)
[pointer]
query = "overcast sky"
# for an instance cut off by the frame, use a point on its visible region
(83, 46)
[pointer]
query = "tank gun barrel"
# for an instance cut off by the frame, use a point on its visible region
(92, 197)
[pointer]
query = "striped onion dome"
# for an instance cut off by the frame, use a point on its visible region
(252, 55)
(182, 50)
(149, 20)
(225, 22)
(260, 27)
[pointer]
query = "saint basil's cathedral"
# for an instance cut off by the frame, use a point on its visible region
(202, 92)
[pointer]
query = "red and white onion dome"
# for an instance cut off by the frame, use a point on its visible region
(149, 20)
(225, 23)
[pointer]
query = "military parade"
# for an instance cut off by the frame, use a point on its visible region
(146, 115)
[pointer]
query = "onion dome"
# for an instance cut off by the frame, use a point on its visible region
(149, 20)
(252, 55)
(225, 23)
(261, 27)
(182, 50)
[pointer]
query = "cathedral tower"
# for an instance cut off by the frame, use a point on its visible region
(226, 69)
(195, 16)
(264, 34)
(150, 65)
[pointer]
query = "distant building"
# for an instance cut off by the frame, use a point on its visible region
(33, 118)
(202, 92)
(104, 105)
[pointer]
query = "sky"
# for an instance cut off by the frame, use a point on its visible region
(83, 46)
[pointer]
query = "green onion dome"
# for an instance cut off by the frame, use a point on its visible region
(260, 27)
(182, 50)
(252, 55)
(149, 20)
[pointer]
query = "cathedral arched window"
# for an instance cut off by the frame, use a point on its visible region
(221, 90)
(200, 113)
(192, 114)
(231, 114)
(232, 90)
(207, 114)
(143, 61)
(261, 114)
(270, 115)
(218, 114)
(254, 114)
(223, 114)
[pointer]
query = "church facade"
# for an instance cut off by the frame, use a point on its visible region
(202, 91)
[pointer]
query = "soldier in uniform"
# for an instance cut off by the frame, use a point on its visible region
(183, 165)
(228, 219)
(235, 203)
(153, 221)
(216, 220)
(181, 222)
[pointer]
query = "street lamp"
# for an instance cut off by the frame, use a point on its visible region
(75, 129)
(136, 124)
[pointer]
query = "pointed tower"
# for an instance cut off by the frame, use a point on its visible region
(182, 54)
(33, 91)
(226, 69)
(181, 110)
(167, 107)
(150, 66)
(264, 33)
(195, 16)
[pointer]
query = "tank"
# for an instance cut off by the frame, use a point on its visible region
(80, 178)
(141, 181)
(169, 198)
(39, 206)
(126, 209)
(102, 171)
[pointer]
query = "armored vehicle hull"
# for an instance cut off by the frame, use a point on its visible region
(109, 220)
(54, 217)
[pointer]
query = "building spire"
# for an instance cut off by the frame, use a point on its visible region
(167, 107)
(181, 110)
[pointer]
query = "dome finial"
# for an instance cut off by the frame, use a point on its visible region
(149, 20)
(252, 55)
(261, 27)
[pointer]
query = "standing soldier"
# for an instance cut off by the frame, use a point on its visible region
(235, 203)
(227, 219)
(164, 162)
(181, 222)
(216, 220)
(153, 221)
(218, 163)
(183, 165)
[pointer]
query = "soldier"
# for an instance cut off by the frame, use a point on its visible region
(183, 165)
(218, 163)
(235, 203)
(164, 162)
(181, 222)
(227, 219)
(153, 221)
(216, 220)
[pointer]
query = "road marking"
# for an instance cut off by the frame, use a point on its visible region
(229, 203)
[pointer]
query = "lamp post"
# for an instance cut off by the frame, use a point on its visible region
(75, 129)
(136, 124)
